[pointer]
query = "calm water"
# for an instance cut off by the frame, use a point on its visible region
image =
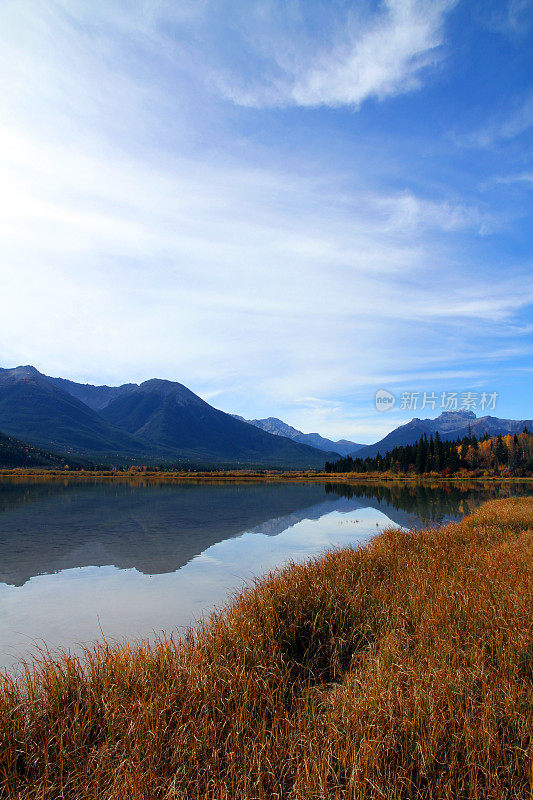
(129, 560)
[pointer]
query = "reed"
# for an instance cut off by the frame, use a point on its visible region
(403, 669)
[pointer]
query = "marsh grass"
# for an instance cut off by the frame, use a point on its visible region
(403, 669)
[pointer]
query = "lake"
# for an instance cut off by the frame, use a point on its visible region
(82, 560)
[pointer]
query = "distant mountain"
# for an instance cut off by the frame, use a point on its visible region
(450, 425)
(33, 408)
(280, 428)
(165, 414)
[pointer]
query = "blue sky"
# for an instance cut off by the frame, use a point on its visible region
(283, 205)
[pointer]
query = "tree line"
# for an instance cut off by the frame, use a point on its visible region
(504, 455)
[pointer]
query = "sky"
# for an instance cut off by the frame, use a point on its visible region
(285, 205)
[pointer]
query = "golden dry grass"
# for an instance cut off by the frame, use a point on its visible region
(400, 670)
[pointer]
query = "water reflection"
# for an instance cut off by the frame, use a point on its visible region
(128, 559)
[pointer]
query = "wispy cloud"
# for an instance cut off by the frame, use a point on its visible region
(508, 124)
(511, 17)
(520, 177)
(386, 59)
(381, 56)
(408, 212)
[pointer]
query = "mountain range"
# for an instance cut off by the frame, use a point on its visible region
(161, 421)
(157, 420)
(279, 428)
(450, 425)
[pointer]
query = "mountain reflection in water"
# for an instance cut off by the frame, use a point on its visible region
(79, 560)
(159, 527)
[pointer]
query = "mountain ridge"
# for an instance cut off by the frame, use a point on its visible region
(152, 421)
(277, 427)
(35, 410)
(449, 424)
(165, 413)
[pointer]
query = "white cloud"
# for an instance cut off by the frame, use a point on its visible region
(385, 60)
(409, 213)
(380, 56)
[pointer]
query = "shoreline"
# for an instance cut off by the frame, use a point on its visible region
(256, 476)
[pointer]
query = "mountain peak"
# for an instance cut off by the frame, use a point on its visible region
(21, 373)
(171, 418)
(26, 371)
(165, 388)
(458, 415)
(450, 425)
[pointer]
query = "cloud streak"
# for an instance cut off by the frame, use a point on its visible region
(515, 121)
(380, 56)
(386, 59)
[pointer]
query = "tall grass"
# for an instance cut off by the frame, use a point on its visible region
(400, 670)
